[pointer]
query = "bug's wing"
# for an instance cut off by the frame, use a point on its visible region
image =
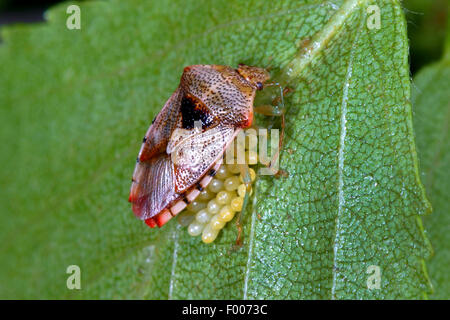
(153, 186)
(161, 129)
(196, 153)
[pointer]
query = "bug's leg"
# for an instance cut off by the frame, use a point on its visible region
(248, 184)
(269, 110)
(276, 110)
(272, 111)
(283, 92)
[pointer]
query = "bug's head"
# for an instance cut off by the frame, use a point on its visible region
(254, 75)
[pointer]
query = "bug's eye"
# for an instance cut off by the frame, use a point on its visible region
(259, 85)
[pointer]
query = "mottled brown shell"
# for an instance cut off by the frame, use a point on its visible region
(189, 136)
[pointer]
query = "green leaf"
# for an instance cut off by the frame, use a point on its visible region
(431, 100)
(75, 104)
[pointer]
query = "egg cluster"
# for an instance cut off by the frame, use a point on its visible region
(220, 201)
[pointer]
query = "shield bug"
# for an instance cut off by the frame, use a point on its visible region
(183, 148)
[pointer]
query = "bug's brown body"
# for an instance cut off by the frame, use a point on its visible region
(184, 145)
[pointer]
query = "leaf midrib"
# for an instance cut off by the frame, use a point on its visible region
(341, 158)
